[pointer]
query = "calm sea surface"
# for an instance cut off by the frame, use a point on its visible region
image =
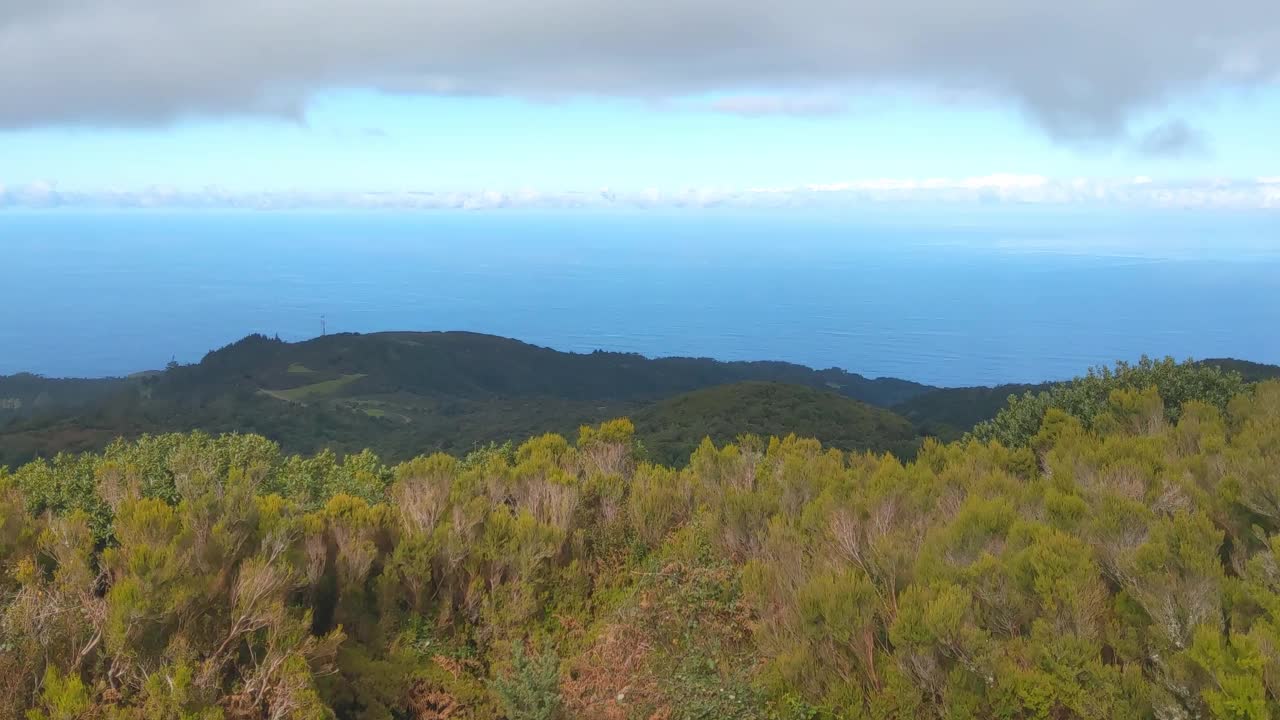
(980, 298)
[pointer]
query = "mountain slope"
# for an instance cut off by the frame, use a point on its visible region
(947, 413)
(399, 393)
(672, 429)
(25, 395)
(1250, 371)
(404, 393)
(462, 364)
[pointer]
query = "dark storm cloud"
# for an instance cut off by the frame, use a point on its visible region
(1078, 69)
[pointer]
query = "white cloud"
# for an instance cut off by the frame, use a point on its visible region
(1024, 189)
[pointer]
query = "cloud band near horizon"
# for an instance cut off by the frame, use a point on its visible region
(1261, 193)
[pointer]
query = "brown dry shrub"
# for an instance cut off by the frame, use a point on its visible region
(427, 702)
(616, 665)
(14, 692)
(241, 706)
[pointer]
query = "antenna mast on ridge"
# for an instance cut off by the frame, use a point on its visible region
(323, 329)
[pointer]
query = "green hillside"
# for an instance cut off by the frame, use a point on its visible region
(471, 365)
(396, 393)
(24, 395)
(1250, 371)
(948, 413)
(672, 429)
(402, 393)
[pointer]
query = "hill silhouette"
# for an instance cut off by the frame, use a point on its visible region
(399, 393)
(404, 393)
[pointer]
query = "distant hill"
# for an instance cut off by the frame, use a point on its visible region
(26, 395)
(671, 429)
(1250, 371)
(398, 393)
(405, 393)
(461, 364)
(947, 413)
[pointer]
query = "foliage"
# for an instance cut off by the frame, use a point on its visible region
(1123, 563)
(1086, 398)
(948, 413)
(530, 689)
(672, 429)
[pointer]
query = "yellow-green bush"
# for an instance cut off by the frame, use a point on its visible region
(1120, 564)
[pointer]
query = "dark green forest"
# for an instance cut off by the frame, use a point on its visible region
(1103, 548)
(399, 394)
(670, 430)
(403, 394)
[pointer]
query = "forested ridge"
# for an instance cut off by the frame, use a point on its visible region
(1108, 548)
(398, 393)
(402, 394)
(670, 430)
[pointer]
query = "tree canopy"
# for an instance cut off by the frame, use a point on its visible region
(1087, 397)
(1119, 563)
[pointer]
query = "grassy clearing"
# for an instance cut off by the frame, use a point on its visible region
(300, 369)
(378, 409)
(314, 391)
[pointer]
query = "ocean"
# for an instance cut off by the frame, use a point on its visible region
(938, 295)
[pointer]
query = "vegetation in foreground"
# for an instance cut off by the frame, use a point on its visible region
(1122, 561)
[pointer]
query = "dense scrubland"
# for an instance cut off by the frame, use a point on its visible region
(1106, 549)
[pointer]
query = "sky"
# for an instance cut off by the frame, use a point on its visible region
(399, 103)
